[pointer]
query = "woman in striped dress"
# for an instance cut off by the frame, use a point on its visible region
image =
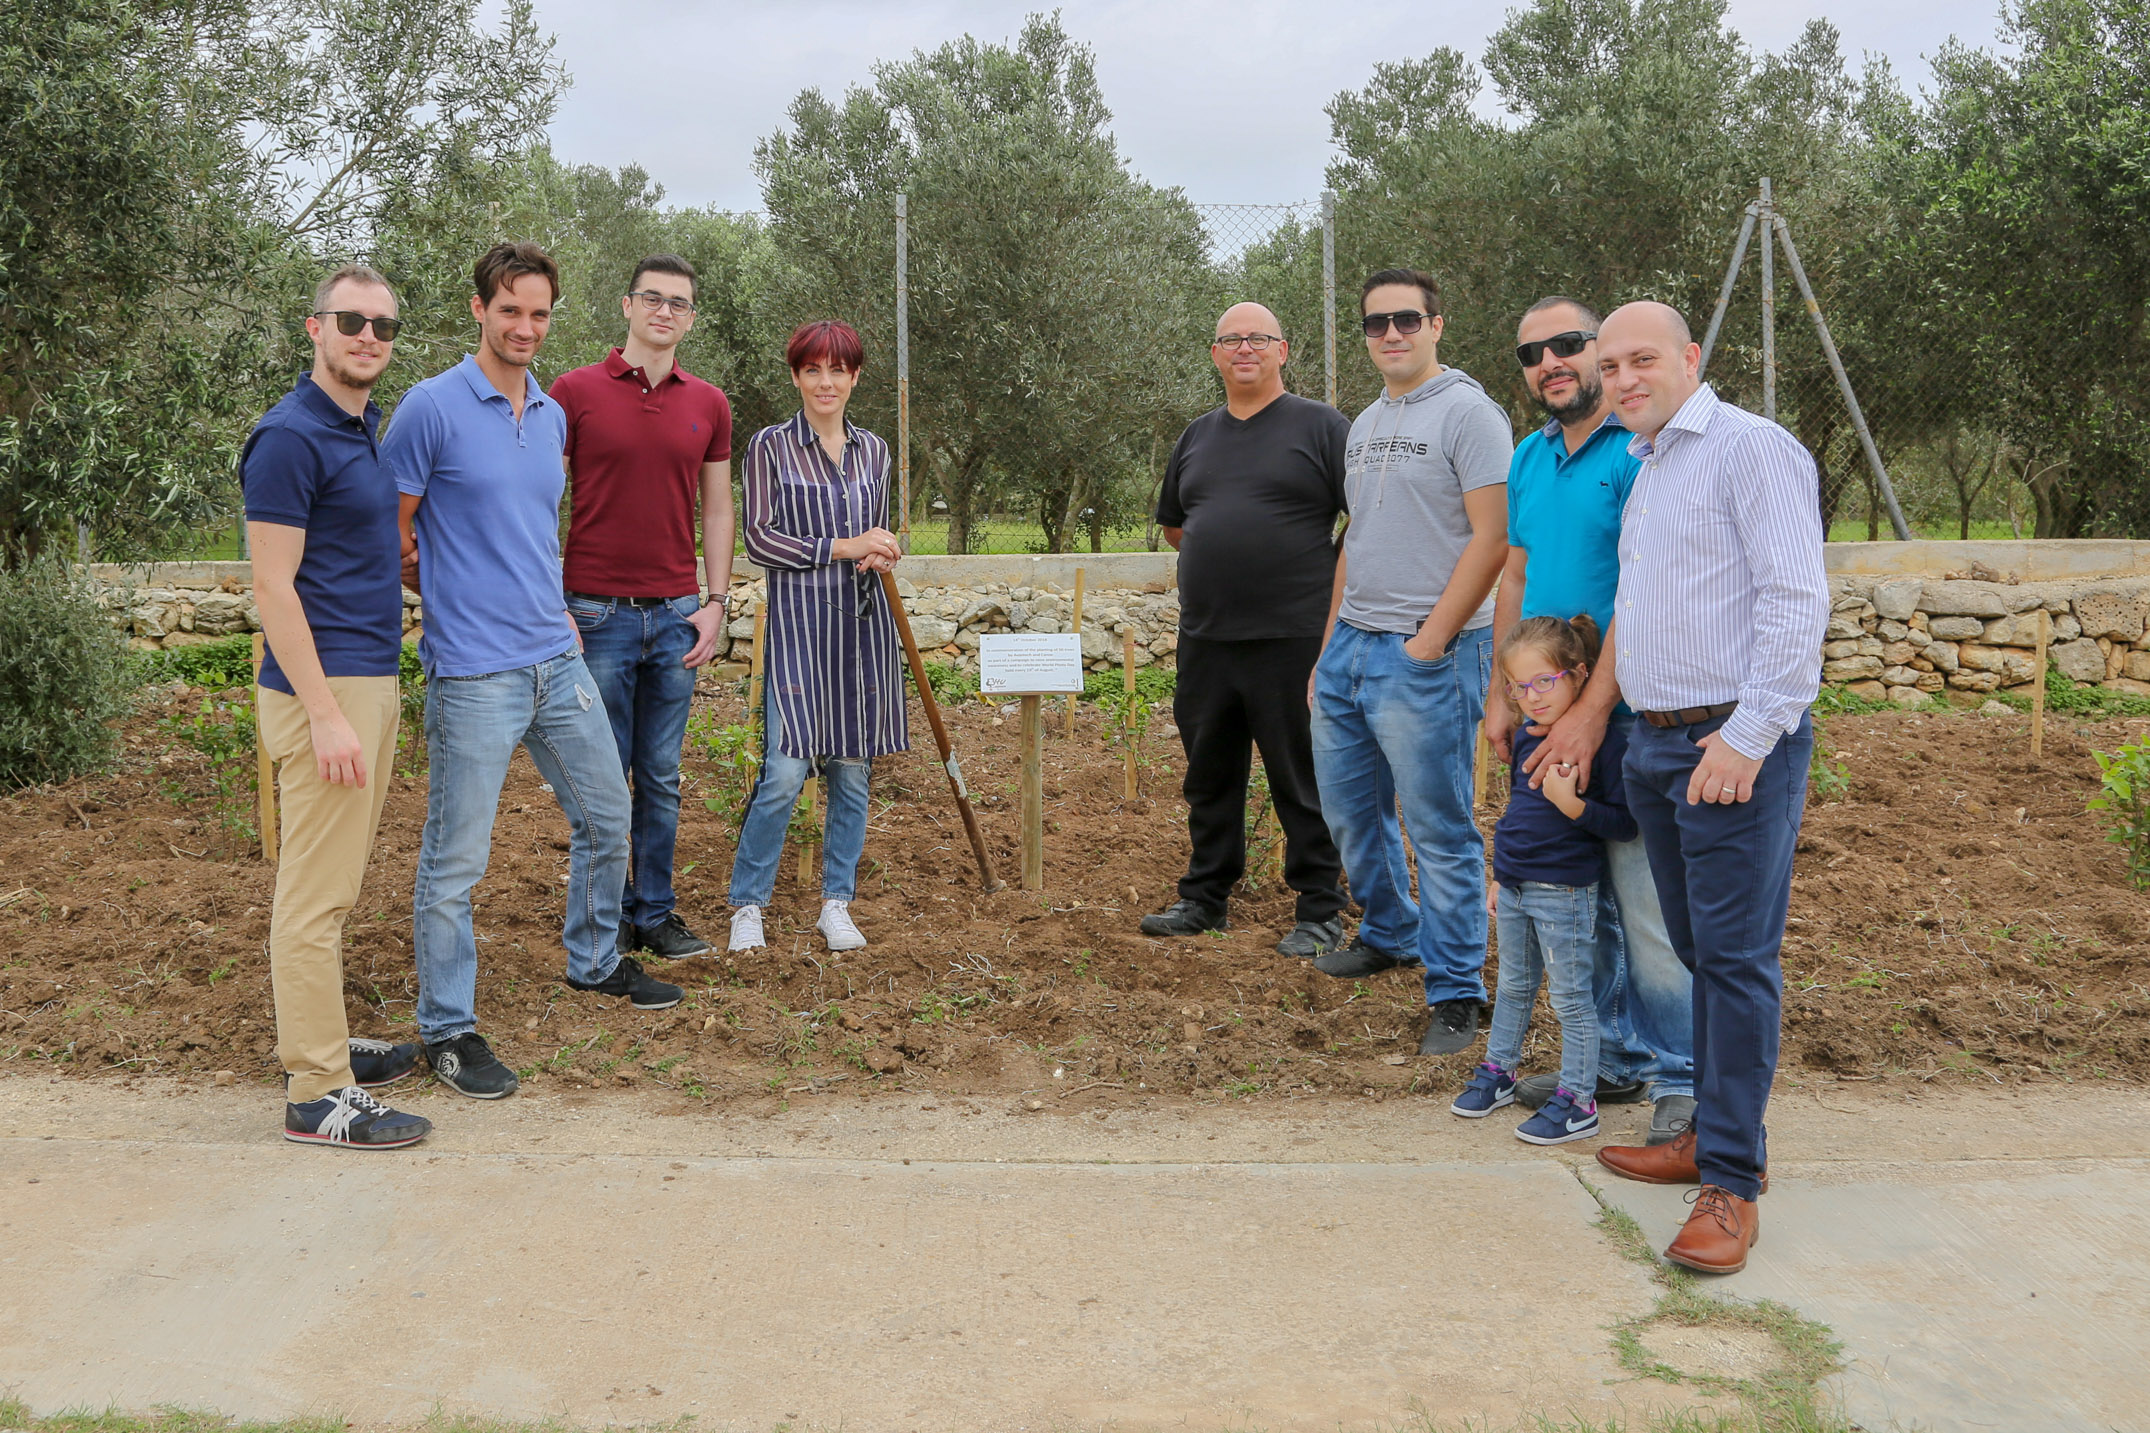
(816, 492)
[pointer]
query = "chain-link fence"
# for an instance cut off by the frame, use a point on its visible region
(1033, 367)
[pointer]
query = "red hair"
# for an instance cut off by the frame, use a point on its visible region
(826, 341)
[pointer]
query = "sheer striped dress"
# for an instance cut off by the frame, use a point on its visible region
(833, 661)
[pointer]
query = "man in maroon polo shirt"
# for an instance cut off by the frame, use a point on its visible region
(647, 445)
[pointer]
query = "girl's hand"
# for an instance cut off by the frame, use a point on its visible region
(1493, 898)
(1561, 778)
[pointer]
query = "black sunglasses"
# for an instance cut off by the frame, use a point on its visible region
(1406, 321)
(350, 323)
(1564, 345)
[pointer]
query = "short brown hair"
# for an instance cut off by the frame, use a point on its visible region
(509, 262)
(663, 264)
(1417, 278)
(347, 273)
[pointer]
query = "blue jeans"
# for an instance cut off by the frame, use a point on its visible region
(1389, 730)
(637, 654)
(1548, 932)
(473, 725)
(1645, 997)
(845, 783)
(1724, 879)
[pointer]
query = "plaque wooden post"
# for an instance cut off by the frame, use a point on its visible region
(1033, 795)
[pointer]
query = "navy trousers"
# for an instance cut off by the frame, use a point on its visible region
(1724, 879)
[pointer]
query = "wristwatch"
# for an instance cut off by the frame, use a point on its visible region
(719, 599)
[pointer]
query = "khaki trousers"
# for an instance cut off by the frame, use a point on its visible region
(327, 833)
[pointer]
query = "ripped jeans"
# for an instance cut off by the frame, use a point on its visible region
(473, 725)
(845, 782)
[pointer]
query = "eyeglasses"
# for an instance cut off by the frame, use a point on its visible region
(1407, 321)
(1541, 684)
(653, 301)
(350, 323)
(1255, 341)
(1564, 345)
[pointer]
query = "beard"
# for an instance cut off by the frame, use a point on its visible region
(500, 352)
(1589, 393)
(350, 377)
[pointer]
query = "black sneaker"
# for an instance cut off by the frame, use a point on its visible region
(1185, 917)
(1534, 1090)
(627, 979)
(375, 1063)
(467, 1065)
(354, 1119)
(1453, 1026)
(669, 939)
(1310, 939)
(1358, 960)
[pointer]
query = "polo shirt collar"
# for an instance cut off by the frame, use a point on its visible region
(803, 434)
(617, 366)
(483, 388)
(1551, 430)
(1694, 417)
(328, 410)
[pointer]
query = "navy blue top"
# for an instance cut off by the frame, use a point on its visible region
(1536, 841)
(310, 465)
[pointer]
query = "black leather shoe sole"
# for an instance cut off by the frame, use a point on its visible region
(1533, 1091)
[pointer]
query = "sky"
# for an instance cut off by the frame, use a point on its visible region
(1222, 99)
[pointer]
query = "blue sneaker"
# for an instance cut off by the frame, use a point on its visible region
(353, 1119)
(1561, 1119)
(1489, 1089)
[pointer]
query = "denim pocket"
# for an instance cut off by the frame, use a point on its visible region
(1445, 660)
(684, 607)
(589, 615)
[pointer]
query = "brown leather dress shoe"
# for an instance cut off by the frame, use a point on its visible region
(1717, 1235)
(1672, 1163)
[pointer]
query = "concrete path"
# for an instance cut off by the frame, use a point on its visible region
(922, 1263)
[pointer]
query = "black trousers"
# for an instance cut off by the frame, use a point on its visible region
(1231, 698)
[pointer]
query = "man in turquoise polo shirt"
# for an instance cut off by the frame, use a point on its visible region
(1566, 487)
(478, 457)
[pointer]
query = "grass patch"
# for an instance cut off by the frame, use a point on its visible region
(1786, 1399)
(2066, 696)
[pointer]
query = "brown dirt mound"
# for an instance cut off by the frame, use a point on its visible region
(1957, 914)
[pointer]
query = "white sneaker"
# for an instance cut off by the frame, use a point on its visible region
(837, 927)
(746, 929)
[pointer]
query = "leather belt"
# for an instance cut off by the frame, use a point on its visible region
(626, 601)
(1689, 716)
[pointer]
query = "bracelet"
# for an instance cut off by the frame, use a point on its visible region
(718, 599)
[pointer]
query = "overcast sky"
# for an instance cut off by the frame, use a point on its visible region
(1223, 99)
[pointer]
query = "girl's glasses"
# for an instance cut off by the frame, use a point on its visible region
(1541, 684)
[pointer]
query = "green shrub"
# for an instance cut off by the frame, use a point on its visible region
(214, 666)
(2125, 800)
(2080, 699)
(63, 676)
(222, 730)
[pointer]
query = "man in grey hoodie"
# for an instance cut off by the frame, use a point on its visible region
(1400, 687)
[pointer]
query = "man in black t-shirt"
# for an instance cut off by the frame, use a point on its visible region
(1250, 501)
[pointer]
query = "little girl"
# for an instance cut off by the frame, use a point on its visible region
(1548, 857)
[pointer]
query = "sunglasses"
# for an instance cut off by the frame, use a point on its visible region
(1406, 321)
(350, 323)
(1541, 684)
(1564, 345)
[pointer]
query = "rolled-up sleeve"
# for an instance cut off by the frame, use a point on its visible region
(1775, 508)
(766, 541)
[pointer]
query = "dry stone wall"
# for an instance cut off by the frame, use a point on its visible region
(1903, 639)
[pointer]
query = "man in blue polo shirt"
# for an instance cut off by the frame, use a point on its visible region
(321, 524)
(478, 457)
(1566, 487)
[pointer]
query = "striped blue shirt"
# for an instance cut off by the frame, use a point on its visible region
(1722, 592)
(831, 653)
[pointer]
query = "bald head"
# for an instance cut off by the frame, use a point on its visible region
(1649, 363)
(1253, 377)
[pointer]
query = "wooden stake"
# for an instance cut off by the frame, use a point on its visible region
(1076, 628)
(1033, 797)
(1127, 713)
(265, 769)
(2045, 633)
(1481, 768)
(940, 732)
(810, 797)
(754, 678)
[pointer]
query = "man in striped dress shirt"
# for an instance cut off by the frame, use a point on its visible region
(1721, 607)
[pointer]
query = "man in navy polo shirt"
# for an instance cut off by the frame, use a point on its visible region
(477, 454)
(1566, 487)
(648, 443)
(321, 523)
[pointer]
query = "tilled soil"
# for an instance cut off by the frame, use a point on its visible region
(1957, 915)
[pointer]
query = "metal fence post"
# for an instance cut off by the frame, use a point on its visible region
(1328, 292)
(903, 366)
(1769, 304)
(1724, 295)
